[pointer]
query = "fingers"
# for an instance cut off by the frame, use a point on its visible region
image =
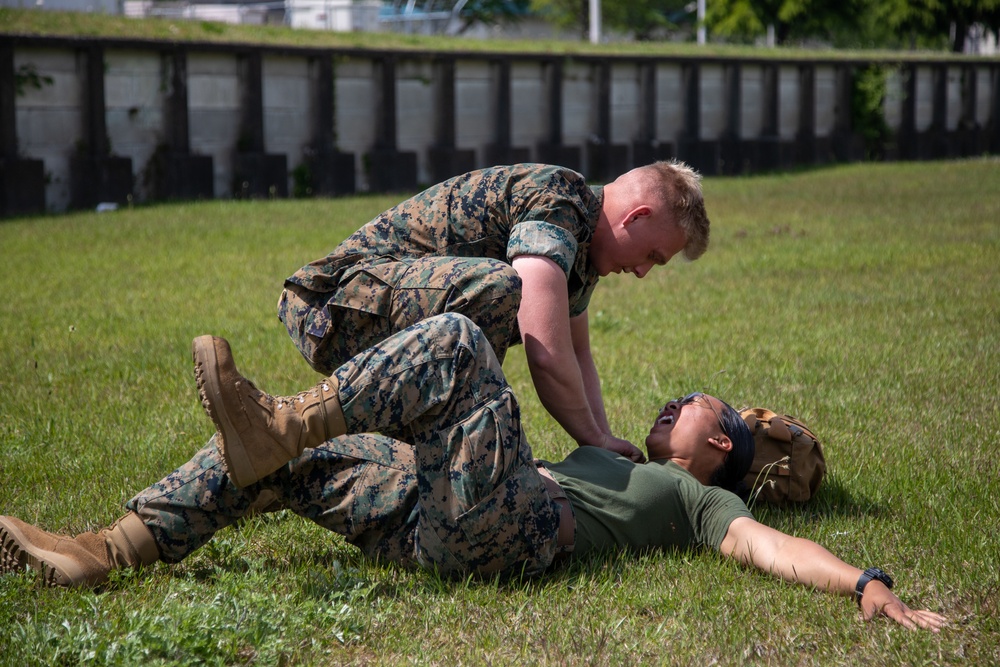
(908, 618)
(928, 619)
(899, 613)
(637, 456)
(625, 448)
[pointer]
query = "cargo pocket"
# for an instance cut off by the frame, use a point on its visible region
(368, 286)
(513, 527)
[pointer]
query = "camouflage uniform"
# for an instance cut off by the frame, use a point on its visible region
(448, 249)
(462, 494)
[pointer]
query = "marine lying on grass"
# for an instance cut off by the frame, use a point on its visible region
(450, 483)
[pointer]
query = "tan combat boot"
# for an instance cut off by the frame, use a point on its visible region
(259, 433)
(84, 560)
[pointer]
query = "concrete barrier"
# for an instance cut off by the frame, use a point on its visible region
(124, 120)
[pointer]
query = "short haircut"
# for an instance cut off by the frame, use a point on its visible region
(680, 186)
(734, 469)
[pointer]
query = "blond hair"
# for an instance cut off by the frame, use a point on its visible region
(676, 188)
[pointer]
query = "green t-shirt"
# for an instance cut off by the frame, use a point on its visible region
(620, 505)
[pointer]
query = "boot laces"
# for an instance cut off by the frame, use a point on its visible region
(255, 393)
(301, 396)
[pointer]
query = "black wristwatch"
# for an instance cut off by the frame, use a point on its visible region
(869, 574)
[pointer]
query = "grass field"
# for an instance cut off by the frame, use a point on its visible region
(864, 299)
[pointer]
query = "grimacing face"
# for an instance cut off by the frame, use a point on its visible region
(684, 425)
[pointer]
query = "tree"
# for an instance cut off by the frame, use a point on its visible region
(491, 12)
(930, 22)
(565, 13)
(643, 19)
(792, 19)
(868, 23)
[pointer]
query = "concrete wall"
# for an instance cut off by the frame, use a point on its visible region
(51, 121)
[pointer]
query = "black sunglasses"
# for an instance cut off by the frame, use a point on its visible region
(694, 396)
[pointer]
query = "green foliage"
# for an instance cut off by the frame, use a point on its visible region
(644, 19)
(868, 107)
(493, 12)
(564, 13)
(302, 181)
(861, 298)
(932, 22)
(853, 23)
(27, 76)
(793, 20)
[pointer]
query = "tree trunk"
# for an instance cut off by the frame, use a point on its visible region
(961, 31)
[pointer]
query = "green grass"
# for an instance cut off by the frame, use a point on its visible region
(863, 299)
(73, 24)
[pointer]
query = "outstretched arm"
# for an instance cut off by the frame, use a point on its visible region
(543, 319)
(805, 562)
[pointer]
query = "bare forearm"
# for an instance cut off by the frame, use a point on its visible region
(807, 563)
(592, 390)
(588, 371)
(560, 388)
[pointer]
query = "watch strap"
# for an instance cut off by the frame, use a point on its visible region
(866, 577)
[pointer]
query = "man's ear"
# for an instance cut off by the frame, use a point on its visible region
(641, 211)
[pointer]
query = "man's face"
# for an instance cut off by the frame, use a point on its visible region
(683, 426)
(635, 245)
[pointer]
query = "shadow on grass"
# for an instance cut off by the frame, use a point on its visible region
(833, 500)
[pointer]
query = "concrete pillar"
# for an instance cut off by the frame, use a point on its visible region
(605, 160)
(731, 154)
(969, 133)
(330, 172)
(907, 133)
(806, 151)
(700, 154)
(551, 149)
(256, 173)
(446, 159)
(390, 170)
(994, 122)
(846, 146)
(938, 139)
(96, 176)
(501, 150)
(22, 181)
(176, 173)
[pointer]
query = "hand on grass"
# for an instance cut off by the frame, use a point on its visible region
(880, 601)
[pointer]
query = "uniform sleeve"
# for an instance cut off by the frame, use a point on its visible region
(544, 239)
(715, 512)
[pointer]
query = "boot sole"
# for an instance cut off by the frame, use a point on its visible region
(17, 553)
(206, 373)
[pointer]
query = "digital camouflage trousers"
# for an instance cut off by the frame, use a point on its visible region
(375, 298)
(461, 494)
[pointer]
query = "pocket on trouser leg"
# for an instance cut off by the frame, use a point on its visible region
(511, 531)
(356, 316)
(307, 321)
(487, 291)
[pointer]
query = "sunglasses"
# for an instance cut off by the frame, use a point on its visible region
(694, 396)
